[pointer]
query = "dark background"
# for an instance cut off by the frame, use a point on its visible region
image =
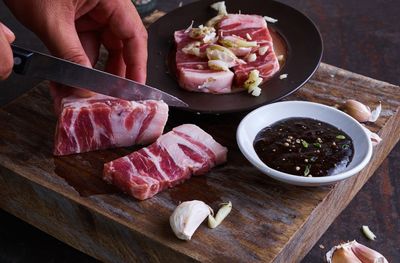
(360, 36)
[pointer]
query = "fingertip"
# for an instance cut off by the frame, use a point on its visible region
(8, 33)
(138, 75)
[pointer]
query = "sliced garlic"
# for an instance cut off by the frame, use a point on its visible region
(204, 33)
(193, 49)
(222, 213)
(218, 65)
(283, 76)
(248, 36)
(262, 50)
(253, 82)
(215, 20)
(217, 52)
(220, 7)
(353, 252)
(368, 233)
(235, 41)
(187, 30)
(251, 57)
(270, 19)
(187, 217)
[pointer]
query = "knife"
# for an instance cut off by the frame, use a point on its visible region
(42, 66)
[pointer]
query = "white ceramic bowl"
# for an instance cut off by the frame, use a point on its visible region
(269, 114)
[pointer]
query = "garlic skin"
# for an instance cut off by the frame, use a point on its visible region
(357, 110)
(187, 217)
(354, 252)
(344, 255)
(365, 254)
(375, 139)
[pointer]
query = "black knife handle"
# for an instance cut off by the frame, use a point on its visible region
(21, 59)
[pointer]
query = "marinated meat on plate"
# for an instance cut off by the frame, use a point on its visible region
(220, 56)
(101, 122)
(172, 159)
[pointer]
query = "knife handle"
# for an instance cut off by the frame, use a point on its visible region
(21, 59)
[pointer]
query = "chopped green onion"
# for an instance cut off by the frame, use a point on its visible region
(305, 144)
(317, 144)
(345, 146)
(307, 170)
(340, 137)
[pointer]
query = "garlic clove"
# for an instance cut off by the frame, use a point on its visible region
(344, 255)
(187, 217)
(372, 136)
(357, 110)
(367, 255)
(222, 213)
(354, 252)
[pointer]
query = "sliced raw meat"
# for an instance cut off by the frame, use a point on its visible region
(235, 22)
(193, 72)
(173, 158)
(251, 28)
(101, 122)
(266, 64)
(208, 81)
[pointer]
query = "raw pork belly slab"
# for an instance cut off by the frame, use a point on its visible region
(193, 71)
(172, 159)
(255, 27)
(101, 122)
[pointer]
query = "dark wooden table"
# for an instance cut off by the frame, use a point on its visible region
(360, 37)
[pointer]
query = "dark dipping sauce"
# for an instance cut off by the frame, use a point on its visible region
(304, 147)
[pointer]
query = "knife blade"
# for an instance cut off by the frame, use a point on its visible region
(42, 66)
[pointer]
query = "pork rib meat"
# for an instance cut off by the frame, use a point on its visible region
(172, 159)
(101, 122)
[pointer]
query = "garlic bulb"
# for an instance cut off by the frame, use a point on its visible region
(353, 252)
(187, 217)
(361, 112)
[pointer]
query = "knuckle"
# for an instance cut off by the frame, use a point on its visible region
(143, 33)
(75, 55)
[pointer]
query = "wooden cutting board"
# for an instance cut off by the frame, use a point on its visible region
(270, 221)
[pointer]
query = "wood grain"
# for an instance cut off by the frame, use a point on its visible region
(270, 221)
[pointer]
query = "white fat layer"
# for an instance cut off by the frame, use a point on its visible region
(170, 142)
(125, 137)
(157, 160)
(198, 135)
(71, 130)
(98, 131)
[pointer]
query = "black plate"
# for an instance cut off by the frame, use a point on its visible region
(303, 44)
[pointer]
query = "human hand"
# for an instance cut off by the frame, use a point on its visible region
(6, 56)
(75, 29)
